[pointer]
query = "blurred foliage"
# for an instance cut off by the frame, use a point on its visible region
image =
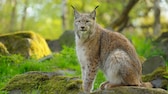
(145, 47)
(45, 16)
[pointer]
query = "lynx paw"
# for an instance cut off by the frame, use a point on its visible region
(102, 86)
(147, 84)
(107, 85)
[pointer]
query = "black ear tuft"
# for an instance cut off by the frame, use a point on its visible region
(73, 7)
(75, 12)
(93, 13)
(96, 7)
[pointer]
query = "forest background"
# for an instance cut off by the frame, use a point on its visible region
(142, 21)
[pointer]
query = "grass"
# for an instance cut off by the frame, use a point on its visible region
(16, 64)
(65, 60)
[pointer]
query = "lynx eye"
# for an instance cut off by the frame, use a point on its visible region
(87, 21)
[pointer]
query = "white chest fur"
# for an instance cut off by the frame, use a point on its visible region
(81, 52)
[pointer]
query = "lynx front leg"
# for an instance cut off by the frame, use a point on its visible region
(88, 77)
(83, 69)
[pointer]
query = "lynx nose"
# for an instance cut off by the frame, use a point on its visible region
(82, 27)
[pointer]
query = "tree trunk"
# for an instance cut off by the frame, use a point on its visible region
(156, 26)
(24, 16)
(13, 16)
(64, 15)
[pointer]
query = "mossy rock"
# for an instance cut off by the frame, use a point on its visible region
(43, 83)
(3, 49)
(55, 83)
(159, 78)
(25, 43)
(132, 90)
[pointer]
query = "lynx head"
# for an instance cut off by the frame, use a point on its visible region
(84, 23)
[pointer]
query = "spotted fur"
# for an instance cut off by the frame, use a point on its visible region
(98, 48)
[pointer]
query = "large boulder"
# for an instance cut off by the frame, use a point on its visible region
(25, 43)
(55, 83)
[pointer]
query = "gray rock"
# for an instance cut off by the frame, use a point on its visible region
(67, 39)
(152, 63)
(132, 90)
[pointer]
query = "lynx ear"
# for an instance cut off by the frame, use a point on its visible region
(93, 13)
(76, 13)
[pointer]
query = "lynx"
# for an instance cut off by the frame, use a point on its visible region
(98, 48)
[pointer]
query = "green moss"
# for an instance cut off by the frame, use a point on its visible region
(45, 83)
(164, 84)
(158, 73)
(26, 43)
(26, 82)
(62, 85)
(73, 85)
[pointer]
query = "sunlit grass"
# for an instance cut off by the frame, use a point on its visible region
(99, 79)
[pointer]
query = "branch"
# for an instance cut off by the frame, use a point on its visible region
(123, 19)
